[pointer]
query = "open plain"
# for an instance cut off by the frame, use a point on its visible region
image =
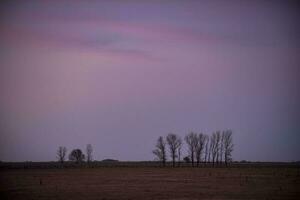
(184, 183)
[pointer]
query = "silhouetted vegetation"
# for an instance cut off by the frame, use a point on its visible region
(61, 154)
(199, 147)
(228, 146)
(187, 159)
(77, 156)
(89, 151)
(191, 141)
(160, 151)
(216, 149)
(212, 150)
(174, 142)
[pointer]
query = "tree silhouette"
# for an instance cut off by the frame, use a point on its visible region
(160, 151)
(76, 155)
(228, 146)
(199, 147)
(191, 140)
(206, 148)
(89, 151)
(213, 147)
(179, 150)
(61, 154)
(222, 146)
(174, 143)
(217, 145)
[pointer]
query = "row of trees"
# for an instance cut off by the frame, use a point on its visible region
(215, 149)
(76, 154)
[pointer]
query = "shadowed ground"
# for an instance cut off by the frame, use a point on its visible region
(151, 183)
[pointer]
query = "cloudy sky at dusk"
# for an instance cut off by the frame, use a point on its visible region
(118, 74)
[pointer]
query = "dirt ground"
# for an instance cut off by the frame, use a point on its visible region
(151, 183)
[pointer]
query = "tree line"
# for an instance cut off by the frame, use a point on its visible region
(76, 154)
(216, 148)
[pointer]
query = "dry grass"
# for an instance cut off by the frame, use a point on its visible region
(151, 183)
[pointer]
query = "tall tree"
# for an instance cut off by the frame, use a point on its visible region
(199, 147)
(160, 150)
(214, 148)
(61, 154)
(218, 142)
(228, 146)
(89, 152)
(206, 148)
(174, 143)
(210, 149)
(179, 150)
(191, 140)
(222, 146)
(76, 155)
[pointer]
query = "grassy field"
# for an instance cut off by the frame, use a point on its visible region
(151, 183)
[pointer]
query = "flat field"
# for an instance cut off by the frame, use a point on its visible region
(151, 183)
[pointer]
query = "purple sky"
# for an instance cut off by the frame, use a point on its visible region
(118, 74)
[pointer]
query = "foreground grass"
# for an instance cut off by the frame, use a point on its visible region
(151, 183)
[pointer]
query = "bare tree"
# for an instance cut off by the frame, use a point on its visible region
(191, 140)
(210, 149)
(61, 154)
(206, 148)
(160, 151)
(228, 146)
(213, 147)
(218, 140)
(76, 155)
(222, 146)
(179, 150)
(174, 143)
(199, 147)
(89, 151)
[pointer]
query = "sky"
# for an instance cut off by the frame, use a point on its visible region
(119, 74)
